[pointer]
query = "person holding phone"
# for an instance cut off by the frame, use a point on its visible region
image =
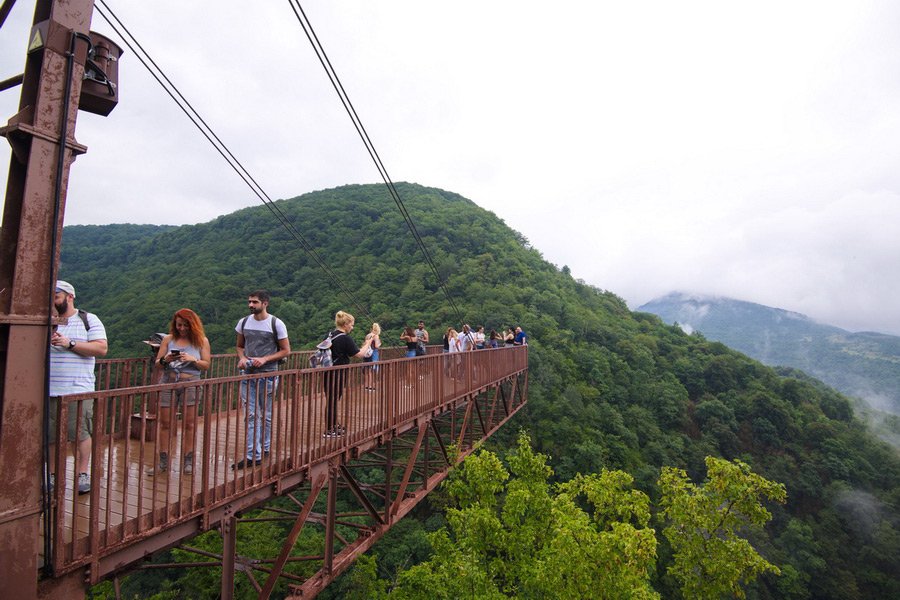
(183, 354)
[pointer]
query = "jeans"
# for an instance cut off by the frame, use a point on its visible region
(410, 353)
(256, 395)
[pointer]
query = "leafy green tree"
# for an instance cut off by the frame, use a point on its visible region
(514, 535)
(535, 541)
(710, 558)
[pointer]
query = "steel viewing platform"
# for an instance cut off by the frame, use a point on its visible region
(423, 417)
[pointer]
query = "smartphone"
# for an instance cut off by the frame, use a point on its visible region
(176, 352)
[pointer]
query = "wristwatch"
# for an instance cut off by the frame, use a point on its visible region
(71, 344)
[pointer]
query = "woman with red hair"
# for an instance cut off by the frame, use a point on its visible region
(182, 355)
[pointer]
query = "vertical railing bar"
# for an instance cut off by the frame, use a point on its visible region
(96, 440)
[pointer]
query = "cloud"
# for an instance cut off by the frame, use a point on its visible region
(710, 147)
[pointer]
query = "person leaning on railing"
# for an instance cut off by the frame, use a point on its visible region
(182, 355)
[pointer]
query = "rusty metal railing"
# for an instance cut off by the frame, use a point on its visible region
(130, 500)
(115, 373)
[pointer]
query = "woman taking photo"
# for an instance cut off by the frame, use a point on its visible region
(182, 355)
(409, 336)
(493, 340)
(374, 340)
(343, 348)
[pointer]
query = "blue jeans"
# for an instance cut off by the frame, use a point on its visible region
(410, 353)
(256, 395)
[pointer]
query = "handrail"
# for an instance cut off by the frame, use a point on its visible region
(126, 505)
(115, 373)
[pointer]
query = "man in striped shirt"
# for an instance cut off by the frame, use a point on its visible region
(73, 350)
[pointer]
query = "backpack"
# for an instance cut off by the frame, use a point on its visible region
(322, 357)
(281, 361)
(82, 314)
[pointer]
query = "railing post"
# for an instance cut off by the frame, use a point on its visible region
(229, 545)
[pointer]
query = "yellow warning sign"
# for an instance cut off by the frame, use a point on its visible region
(37, 41)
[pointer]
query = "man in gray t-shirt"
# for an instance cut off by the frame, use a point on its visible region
(262, 341)
(421, 338)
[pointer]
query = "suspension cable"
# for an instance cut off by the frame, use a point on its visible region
(171, 89)
(370, 147)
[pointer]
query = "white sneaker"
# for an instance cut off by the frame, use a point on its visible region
(84, 483)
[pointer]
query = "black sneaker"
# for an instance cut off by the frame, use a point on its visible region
(241, 464)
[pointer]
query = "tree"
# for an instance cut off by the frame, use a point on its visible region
(537, 542)
(710, 558)
(589, 537)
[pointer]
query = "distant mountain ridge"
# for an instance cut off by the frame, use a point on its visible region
(864, 364)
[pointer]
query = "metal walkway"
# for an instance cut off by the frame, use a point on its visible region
(424, 416)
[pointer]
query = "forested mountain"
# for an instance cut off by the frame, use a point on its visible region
(862, 364)
(608, 388)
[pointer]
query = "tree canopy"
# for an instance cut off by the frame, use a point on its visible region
(609, 389)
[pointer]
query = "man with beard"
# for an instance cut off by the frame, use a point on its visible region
(262, 341)
(421, 339)
(73, 350)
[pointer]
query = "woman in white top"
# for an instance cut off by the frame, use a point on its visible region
(453, 346)
(374, 339)
(479, 338)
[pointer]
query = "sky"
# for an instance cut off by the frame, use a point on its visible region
(747, 150)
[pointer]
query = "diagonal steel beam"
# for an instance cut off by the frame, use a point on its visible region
(317, 486)
(409, 469)
(440, 441)
(357, 491)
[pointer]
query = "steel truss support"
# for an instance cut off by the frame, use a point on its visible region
(353, 513)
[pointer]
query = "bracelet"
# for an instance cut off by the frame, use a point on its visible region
(163, 362)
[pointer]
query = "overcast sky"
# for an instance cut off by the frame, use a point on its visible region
(749, 150)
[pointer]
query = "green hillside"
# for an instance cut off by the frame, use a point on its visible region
(864, 364)
(608, 388)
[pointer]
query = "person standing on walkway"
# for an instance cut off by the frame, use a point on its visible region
(74, 348)
(182, 355)
(451, 363)
(343, 348)
(374, 339)
(492, 340)
(479, 338)
(521, 338)
(262, 341)
(421, 338)
(409, 337)
(466, 339)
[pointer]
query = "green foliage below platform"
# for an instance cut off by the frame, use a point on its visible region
(608, 388)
